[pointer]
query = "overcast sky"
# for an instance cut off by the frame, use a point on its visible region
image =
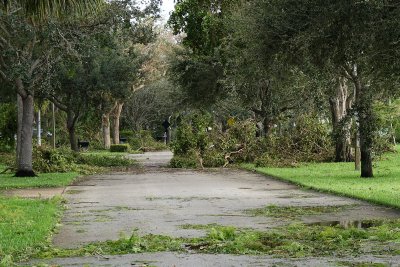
(168, 6)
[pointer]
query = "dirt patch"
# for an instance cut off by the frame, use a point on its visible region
(44, 193)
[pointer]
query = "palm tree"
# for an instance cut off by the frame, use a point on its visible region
(35, 12)
(43, 9)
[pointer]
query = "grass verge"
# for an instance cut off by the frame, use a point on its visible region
(8, 181)
(25, 227)
(342, 179)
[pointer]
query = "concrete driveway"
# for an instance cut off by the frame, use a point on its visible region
(159, 200)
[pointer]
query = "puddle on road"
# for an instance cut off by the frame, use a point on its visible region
(361, 224)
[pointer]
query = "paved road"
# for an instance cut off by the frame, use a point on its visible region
(159, 200)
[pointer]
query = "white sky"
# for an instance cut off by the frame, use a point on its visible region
(167, 7)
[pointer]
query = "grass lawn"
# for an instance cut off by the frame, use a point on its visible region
(25, 226)
(8, 181)
(340, 178)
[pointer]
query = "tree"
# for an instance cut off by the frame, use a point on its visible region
(199, 68)
(342, 34)
(23, 60)
(71, 93)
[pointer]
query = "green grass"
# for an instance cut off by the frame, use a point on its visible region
(25, 226)
(342, 179)
(8, 181)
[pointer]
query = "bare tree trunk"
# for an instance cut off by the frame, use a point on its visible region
(54, 125)
(39, 128)
(20, 110)
(116, 114)
(340, 103)
(71, 122)
(366, 125)
(105, 123)
(25, 168)
(357, 157)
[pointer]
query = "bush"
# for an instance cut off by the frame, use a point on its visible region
(183, 162)
(120, 148)
(189, 160)
(64, 160)
(143, 140)
(8, 126)
(213, 158)
(308, 140)
(54, 160)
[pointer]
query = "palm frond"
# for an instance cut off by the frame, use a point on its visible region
(42, 9)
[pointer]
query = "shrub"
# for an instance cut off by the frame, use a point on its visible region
(53, 160)
(120, 148)
(213, 158)
(189, 160)
(143, 140)
(7, 159)
(308, 140)
(8, 126)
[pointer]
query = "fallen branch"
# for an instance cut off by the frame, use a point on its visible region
(228, 156)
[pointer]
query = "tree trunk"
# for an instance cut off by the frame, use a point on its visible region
(357, 152)
(116, 120)
(340, 103)
(266, 126)
(24, 168)
(366, 125)
(366, 140)
(20, 110)
(39, 128)
(105, 121)
(71, 122)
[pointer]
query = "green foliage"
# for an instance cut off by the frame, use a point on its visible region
(120, 148)
(185, 140)
(64, 160)
(8, 126)
(189, 160)
(143, 140)
(238, 143)
(47, 160)
(198, 78)
(296, 240)
(213, 158)
(387, 122)
(308, 140)
(192, 134)
(222, 233)
(7, 160)
(202, 21)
